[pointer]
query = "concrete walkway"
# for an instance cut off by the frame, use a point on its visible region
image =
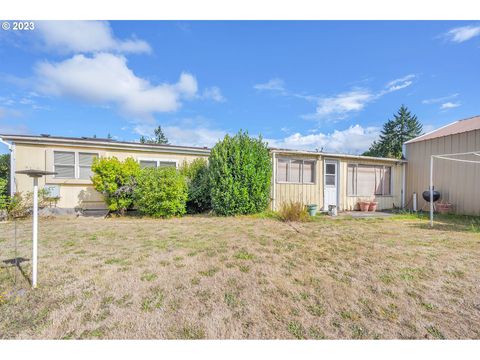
(365, 214)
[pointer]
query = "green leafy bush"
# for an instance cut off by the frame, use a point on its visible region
(161, 192)
(3, 194)
(293, 211)
(116, 180)
(198, 183)
(240, 171)
(21, 204)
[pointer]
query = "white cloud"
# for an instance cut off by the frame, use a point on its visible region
(196, 136)
(340, 105)
(85, 37)
(399, 84)
(105, 79)
(439, 99)
(343, 103)
(463, 33)
(275, 84)
(449, 105)
(353, 140)
(213, 93)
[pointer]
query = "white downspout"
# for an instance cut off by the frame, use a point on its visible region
(403, 184)
(11, 147)
(274, 172)
(404, 169)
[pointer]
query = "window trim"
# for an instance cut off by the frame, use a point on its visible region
(76, 164)
(158, 161)
(301, 182)
(356, 164)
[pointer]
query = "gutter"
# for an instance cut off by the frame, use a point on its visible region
(333, 155)
(36, 140)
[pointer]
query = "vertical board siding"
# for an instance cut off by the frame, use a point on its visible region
(457, 182)
(313, 193)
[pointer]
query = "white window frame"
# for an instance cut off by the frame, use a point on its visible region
(373, 165)
(158, 161)
(76, 165)
(289, 160)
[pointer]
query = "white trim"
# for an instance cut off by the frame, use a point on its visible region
(287, 152)
(76, 165)
(98, 144)
(274, 171)
(289, 159)
(158, 160)
(392, 176)
(337, 180)
(13, 179)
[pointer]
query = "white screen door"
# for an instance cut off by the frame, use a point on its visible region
(330, 183)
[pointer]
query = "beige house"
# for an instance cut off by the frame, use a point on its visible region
(457, 181)
(308, 177)
(71, 159)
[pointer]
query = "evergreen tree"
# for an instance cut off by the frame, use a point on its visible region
(403, 127)
(160, 137)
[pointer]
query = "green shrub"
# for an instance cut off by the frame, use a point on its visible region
(20, 205)
(196, 174)
(293, 211)
(116, 180)
(161, 192)
(240, 171)
(3, 194)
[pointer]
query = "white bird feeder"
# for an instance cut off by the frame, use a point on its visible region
(35, 174)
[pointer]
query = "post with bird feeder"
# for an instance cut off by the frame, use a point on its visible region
(35, 175)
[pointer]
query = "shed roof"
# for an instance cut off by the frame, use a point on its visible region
(457, 127)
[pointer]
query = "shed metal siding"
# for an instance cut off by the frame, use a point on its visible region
(457, 182)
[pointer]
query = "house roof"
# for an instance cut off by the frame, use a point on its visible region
(334, 155)
(165, 148)
(103, 143)
(457, 127)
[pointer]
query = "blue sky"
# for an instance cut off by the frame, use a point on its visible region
(303, 85)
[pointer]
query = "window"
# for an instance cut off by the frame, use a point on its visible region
(308, 171)
(148, 164)
(369, 180)
(330, 175)
(296, 171)
(73, 165)
(85, 161)
(154, 163)
(64, 164)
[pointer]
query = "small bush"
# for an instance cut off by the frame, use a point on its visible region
(161, 192)
(196, 174)
(293, 211)
(116, 180)
(4, 198)
(21, 204)
(240, 172)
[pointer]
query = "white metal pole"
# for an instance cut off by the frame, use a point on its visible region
(431, 191)
(274, 172)
(35, 232)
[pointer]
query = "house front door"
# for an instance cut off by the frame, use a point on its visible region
(330, 184)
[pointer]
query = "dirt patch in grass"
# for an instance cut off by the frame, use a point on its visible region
(243, 278)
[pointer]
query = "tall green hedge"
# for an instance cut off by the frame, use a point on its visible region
(198, 182)
(240, 171)
(161, 192)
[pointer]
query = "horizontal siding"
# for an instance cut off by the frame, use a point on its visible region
(458, 183)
